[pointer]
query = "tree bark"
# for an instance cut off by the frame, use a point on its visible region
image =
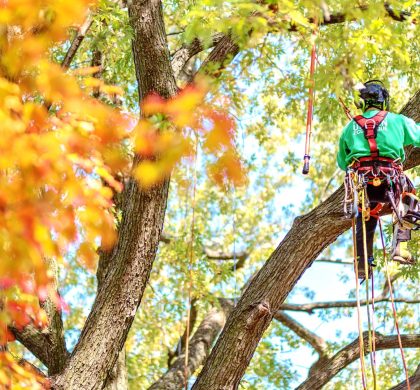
(309, 235)
(325, 369)
(200, 345)
(48, 344)
(414, 382)
(126, 269)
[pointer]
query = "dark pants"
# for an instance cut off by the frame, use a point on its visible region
(376, 195)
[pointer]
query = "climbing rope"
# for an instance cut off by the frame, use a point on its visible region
(394, 311)
(359, 316)
(309, 115)
(366, 267)
(190, 267)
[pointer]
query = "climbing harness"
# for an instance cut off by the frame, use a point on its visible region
(309, 115)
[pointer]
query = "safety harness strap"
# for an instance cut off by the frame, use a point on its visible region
(370, 128)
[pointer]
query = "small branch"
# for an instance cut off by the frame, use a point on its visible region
(314, 340)
(77, 41)
(402, 17)
(30, 367)
(219, 255)
(335, 261)
(325, 369)
(183, 339)
(187, 51)
(310, 307)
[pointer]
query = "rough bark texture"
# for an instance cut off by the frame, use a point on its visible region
(414, 382)
(118, 377)
(309, 235)
(186, 52)
(126, 269)
(327, 368)
(199, 348)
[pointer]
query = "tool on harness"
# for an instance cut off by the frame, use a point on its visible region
(409, 209)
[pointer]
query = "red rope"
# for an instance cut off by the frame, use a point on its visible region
(394, 311)
(309, 115)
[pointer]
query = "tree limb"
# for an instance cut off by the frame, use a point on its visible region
(77, 41)
(309, 235)
(187, 51)
(327, 368)
(414, 382)
(318, 343)
(48, 344)
(200, 345)
(310, 307)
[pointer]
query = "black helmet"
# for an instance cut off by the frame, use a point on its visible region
(374, 94)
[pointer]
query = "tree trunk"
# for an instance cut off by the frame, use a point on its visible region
(309, 235)
(126, 269)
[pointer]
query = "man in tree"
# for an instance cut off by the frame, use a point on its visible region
(372, 144)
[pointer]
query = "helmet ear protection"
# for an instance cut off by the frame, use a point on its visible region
(363, 102)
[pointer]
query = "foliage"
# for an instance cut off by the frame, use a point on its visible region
(63, 152)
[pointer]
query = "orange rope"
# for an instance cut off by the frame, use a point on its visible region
(190, 274)
(394, 311)
(359, 317)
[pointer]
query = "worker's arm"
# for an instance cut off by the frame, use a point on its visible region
(341, 155)
(411, 132)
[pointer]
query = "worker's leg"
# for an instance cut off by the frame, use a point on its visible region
(370, 226)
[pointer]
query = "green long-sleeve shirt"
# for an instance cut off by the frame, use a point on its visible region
(395, 132)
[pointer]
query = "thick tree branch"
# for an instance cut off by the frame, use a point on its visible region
(325, 369)
(187, 51)
(309, 235)
(318, 343)
(414, 382)
(199, 348)
(183, 339)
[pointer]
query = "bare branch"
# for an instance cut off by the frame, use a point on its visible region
(414, 382)
(77, 41)
(325, 369)
(318, 343)
(48, 345)
(183, 339)
(200, 346)
(335, 261)
(310, 307)
(187, 51)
